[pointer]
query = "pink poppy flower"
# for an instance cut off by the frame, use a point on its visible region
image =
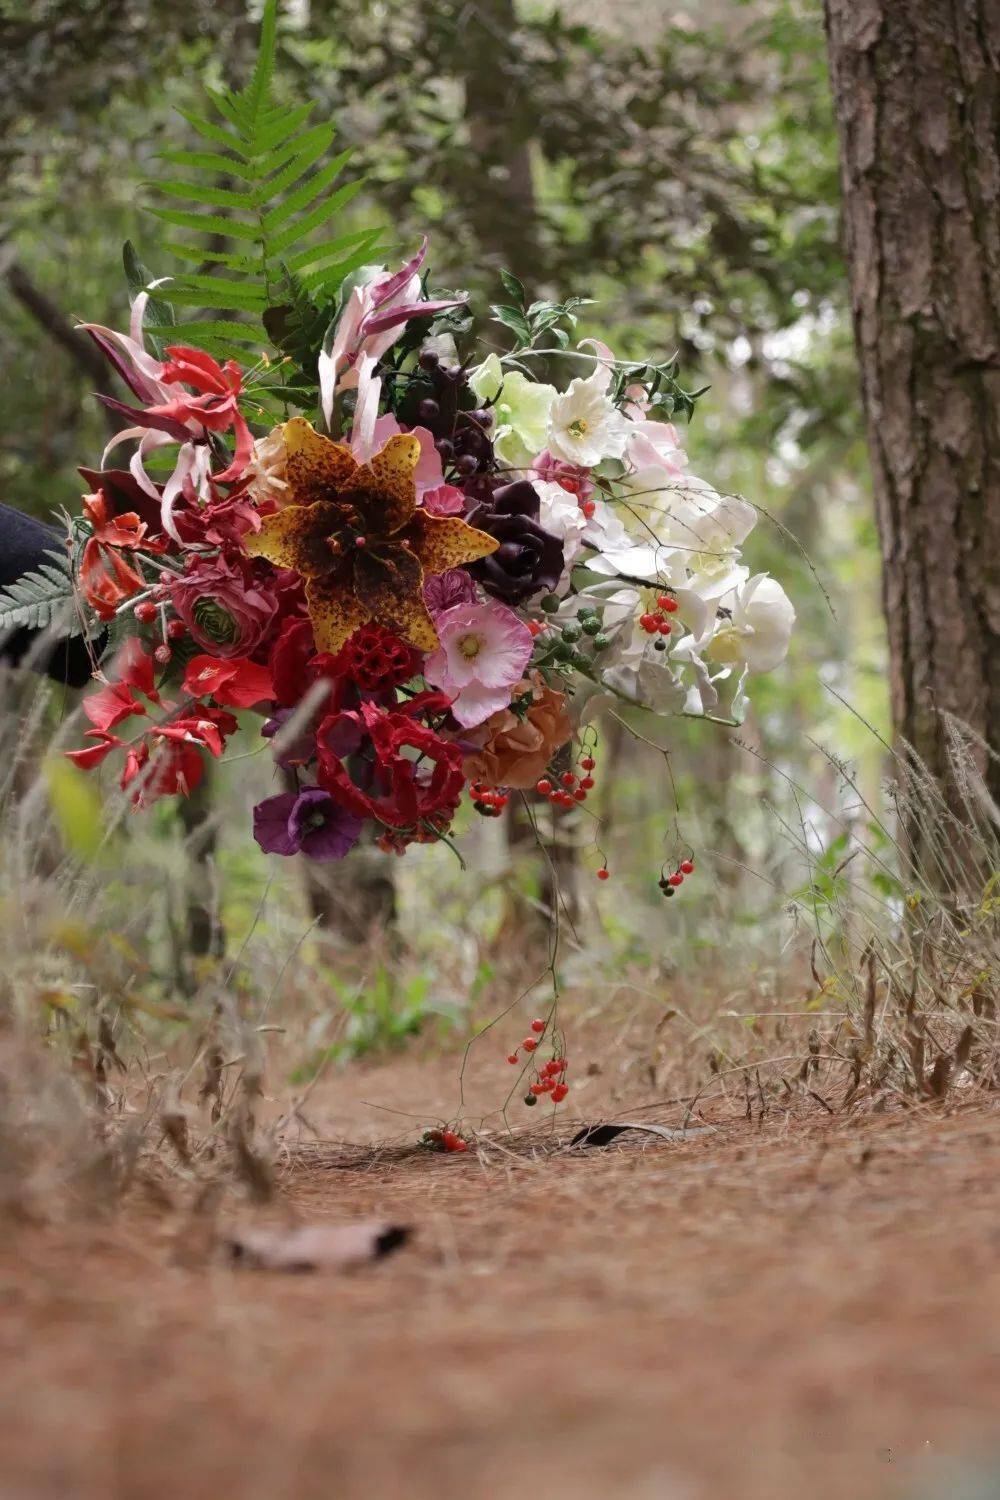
(483, 653)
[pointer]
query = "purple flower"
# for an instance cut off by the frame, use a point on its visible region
(529, 559)
(308, 821)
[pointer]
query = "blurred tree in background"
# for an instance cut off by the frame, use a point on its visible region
(680, 168)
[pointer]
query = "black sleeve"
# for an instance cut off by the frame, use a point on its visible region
(23, 543)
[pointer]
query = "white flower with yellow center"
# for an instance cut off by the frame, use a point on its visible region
(584, 426)
(759, 629)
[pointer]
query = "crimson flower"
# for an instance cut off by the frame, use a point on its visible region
(406, 774)
(234, 683)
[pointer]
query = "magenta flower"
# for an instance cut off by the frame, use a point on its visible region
(483, 653)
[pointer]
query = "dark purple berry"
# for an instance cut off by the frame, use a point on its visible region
(445, 447)
(466, 463)
(428, 360)
(482, 418)
(429, 410)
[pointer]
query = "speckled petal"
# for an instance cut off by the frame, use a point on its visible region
(335, 613)
(443, 542)
(389, 485)
(389, 583)
(296, 538)
(317, 467)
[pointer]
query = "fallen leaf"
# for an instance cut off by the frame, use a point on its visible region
(316, 1247)
(603, 1135)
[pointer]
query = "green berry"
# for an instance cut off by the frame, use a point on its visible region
(586, 612)
(571, 632)
(591, 625)
(550, 603)
(601, 642)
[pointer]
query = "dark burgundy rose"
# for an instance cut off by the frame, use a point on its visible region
(529, 559)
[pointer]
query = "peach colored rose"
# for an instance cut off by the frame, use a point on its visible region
(514, 751)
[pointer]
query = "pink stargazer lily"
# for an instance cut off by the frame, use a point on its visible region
(370, 324)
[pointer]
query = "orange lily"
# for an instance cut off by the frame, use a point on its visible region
(354, 532)
(105, 577)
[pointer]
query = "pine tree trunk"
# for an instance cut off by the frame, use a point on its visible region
(917, 95)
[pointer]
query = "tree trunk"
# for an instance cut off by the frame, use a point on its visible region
(917, 95)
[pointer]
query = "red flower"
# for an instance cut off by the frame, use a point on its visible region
(294, 649)
(115, 701)
(235, 683)
(216, 407)
(92, 755)
(105, 577)
(373, 658)
(207, 728)
(401, 790)
(171, 769)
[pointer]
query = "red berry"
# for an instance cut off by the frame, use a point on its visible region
(529, 1044)
(513, 1058)
(676, 879)
(648, 623)
(537, 1089)
(566, 799)
(670, 606)
(162, 655)
(604, 874)
(587, 782)
(687, 866)
(559, 1093)
(146, 612)
(579, 795)
(176, 630)
(588, 763)
(551, 1068)
(538, 1024)
(665, 627)
(568, 779)
(543, 787)
(502, 799)
(663, 602)
(361, 541)
(555, 798)
(589, 508)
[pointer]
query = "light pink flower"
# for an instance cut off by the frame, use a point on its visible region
(483, 653)
(428, 475)
(444, 500)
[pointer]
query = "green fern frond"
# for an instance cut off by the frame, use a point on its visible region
(41, 598)
(265, 188)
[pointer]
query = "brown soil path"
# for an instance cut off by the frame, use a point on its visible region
(802, 1309)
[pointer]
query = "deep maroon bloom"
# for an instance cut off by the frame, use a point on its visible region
(529, 559)
(308, 821)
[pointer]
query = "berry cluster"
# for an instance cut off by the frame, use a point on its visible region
(586, 626)
(571, 788)
(550, 1078)
(461, 437)
(444, 1140)
(488, 801)
(669, 883)
(655, 622)
(146, 612)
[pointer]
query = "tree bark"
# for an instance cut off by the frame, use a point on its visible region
(916, 88)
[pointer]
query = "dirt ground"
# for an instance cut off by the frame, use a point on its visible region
(804, 1306)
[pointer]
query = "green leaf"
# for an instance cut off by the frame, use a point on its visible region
(304, 195)
(513, 287)
(42, 598)
(211, 132)
(138, 278)
(266, 140)
(234, 229)
(318, 216)
(312, 255)
(209, 161)
(252, 333)
(193, 192)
